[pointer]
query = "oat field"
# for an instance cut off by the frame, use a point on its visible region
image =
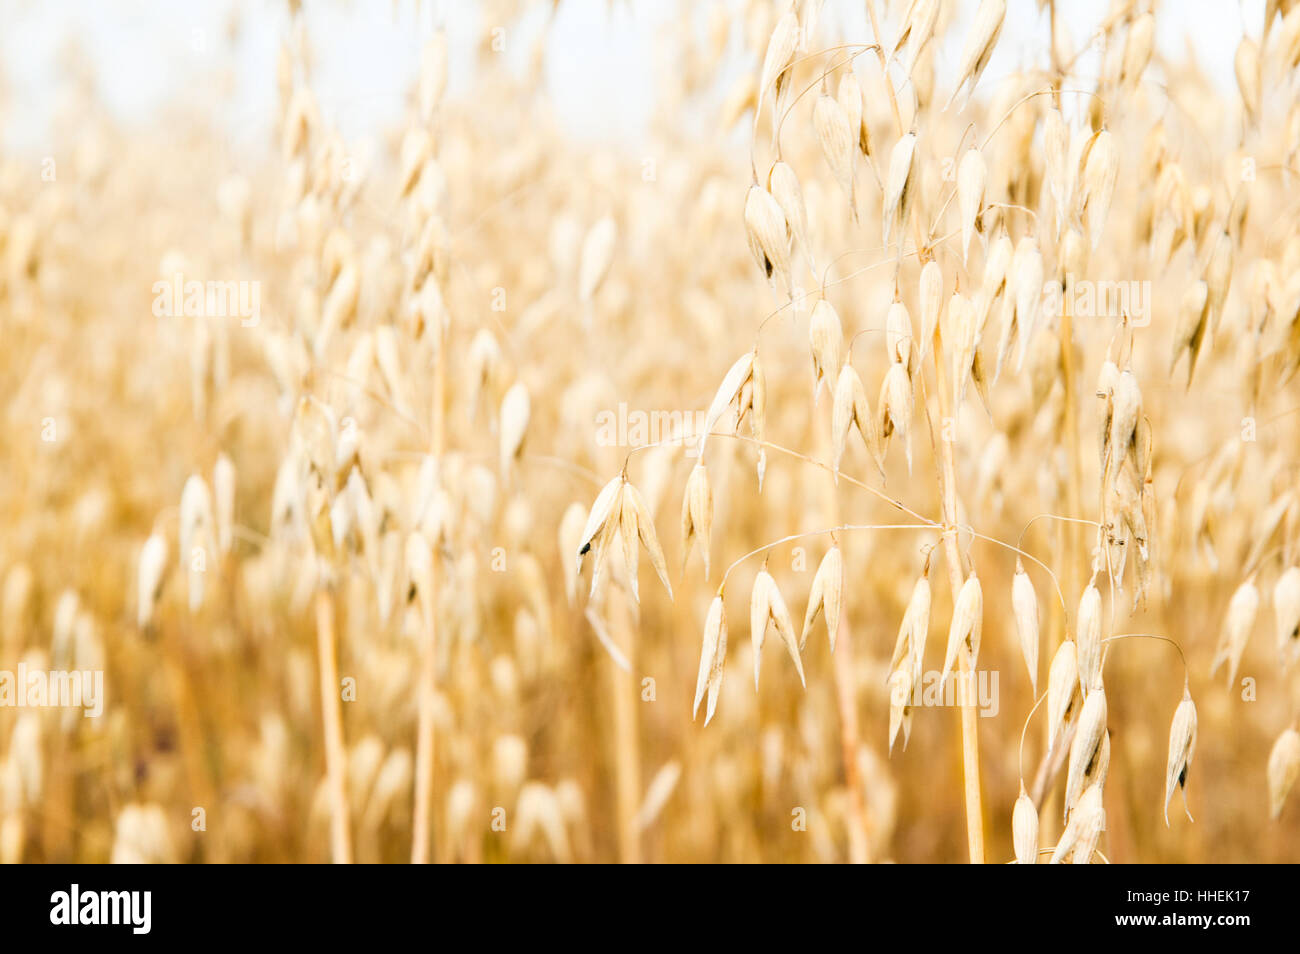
(886, 451)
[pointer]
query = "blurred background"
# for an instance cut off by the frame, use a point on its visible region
(419, 192)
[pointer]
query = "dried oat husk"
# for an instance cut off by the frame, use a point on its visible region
(1242, 611)
(1062, 683)
(1190, 331)
(1086, 823)
(712, 656)
(826, 340)
(1024, 829)
(1086, 745)
(900, 187)
(783, 185)
(899, 341)
(825, 596)
(895, 409)
(515, 412)
(637, 526)
(980, 41)
(1024, 603)
(930, 294)
(781, 47)
(901, 689)
(152, 572)
(597, 254)
(1286, 610)
(967, 624)
(1245, 65)
(697, 514)
(1283, 770)
(769, 235)
(601, 526)
(837, 138)
(1182, 746)
(1088, 636)
(849, 408)
(972, 179)
(767, 605)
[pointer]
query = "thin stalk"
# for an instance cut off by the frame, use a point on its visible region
(421, 828)
(332, 715)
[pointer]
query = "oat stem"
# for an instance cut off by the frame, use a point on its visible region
(336, 757)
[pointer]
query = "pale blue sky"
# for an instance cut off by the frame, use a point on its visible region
(600, 74)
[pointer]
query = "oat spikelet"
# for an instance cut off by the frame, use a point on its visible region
(1024, 829)
(196, 536)
(896, 409)
(153, 567)
(571, 527)
(597, 254)
(826, 339)
(930, 294)
(1242, 611)
(900, 186)
(1056, 150)
(605, 513)
(769, 235)
(916, 31)
(638, 525)
(981, 40)
(1182, 746)
(1137, 50)
(837, 139)
(783, 185)
(1246, 66)
(728, 394)
(825, 595)
(781, 46)
(1062, 683)
(1086, 745)
(849, 408)
(1088, 635)
(972, 179)
(899, 340)
(766, 604)
(697, 514)
(1024, 602)
(1099, 175)
(1286, 610)
(515, 411)
(967, 624)
(1190, 331)
(1082, 831)
(905, 666)
(712, 656)
(1283, 770)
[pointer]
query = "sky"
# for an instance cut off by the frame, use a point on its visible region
(600, 73)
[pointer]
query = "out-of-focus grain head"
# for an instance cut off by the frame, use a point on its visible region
(1283, 769)
(1182, 746)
